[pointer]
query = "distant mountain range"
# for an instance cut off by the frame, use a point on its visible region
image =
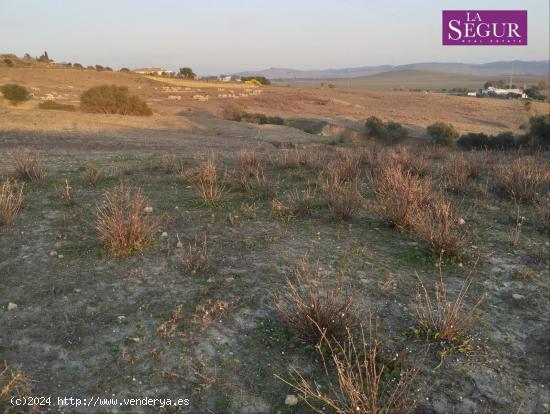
(516, 67)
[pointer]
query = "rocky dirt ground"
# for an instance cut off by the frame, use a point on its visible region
(89, 324)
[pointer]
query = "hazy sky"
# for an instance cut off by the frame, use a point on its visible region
(214, 36)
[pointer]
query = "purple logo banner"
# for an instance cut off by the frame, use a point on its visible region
(485, 27)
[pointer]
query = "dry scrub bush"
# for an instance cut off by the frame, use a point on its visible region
(233, 112)
(313, 308)
(436, 223)
(112, 99)
(208, 184)
(92, 174)
(347, 167)
(401, 157)
(121, 223)
(457, 171)
(28, 164)
(194, 254)
(442, 317)
(14, 384)
(367, 382)
(407, 160)
(399, 195)
(525, 178)
(340, 186)
(11, 198)
(542, 207)
(343, 199)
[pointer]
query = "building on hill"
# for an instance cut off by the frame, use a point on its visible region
(154, 71)
(493, 92)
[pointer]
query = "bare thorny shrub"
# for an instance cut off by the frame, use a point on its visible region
(313, 308)
(348, 166)
(194, 254)
(28, 164)
(14, 384)
(437, 224)
(121, 223)
(361, 379)
(340, 184)
(526, 177)
(457, 171)
(343, 198)
(417, 164)
(11, 199)
(446, 319)
(399, 195)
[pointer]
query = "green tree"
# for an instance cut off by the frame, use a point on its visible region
(15, 93)
(44, 57)
(187, 73)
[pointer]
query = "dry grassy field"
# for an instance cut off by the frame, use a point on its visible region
(265, 268)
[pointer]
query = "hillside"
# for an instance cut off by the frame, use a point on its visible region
(416, 79)
(540, 68)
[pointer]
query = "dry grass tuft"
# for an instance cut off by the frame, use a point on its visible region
(172, 327)
(399, 195)
(92, 174)
(249, 162)
(315, 309)
(14, 384)
(11, 199)
(525, 178)
(447, 319)
(66, 193)
(211, 311)
(28, 164)
(194, 254)
(251, 175)
(122, 225)
(298, 204)
(366, 381)
(436, 223)
(208, 183)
